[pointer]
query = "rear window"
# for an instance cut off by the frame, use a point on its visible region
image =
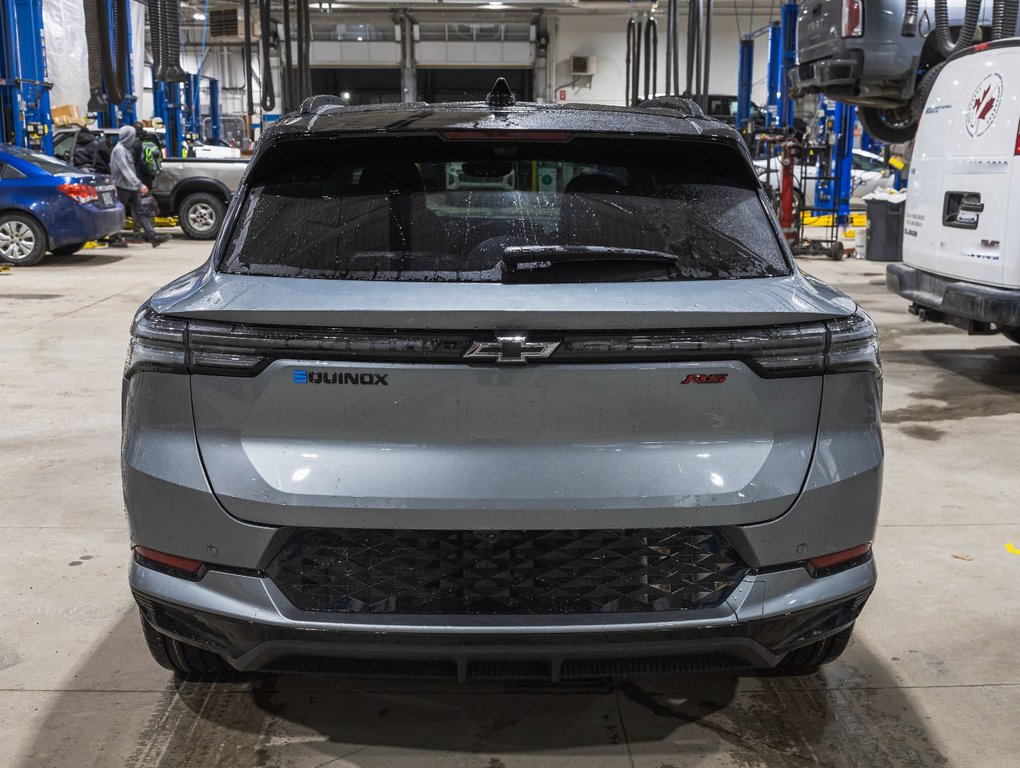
(425, 209)
(47, 163)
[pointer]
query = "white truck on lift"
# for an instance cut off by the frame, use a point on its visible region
(961, 244)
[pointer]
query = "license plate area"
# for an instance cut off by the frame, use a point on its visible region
(107, 198)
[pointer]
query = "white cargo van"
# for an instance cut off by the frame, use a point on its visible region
(961, 244)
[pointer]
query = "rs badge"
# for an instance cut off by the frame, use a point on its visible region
(705, 378)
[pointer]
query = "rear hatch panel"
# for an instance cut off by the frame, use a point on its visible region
(594, 441)
(535, 446)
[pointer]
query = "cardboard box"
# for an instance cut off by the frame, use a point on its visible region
(66, 114)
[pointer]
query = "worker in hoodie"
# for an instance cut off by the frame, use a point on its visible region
(130, 188)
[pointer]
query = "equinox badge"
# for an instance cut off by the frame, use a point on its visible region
(511, 349)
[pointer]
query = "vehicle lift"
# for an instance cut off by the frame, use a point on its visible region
(167, 105)
(832, 151)
(831, 145)
(25, 118)
(193, 127)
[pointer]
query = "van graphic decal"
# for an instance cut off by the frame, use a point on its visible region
(984, 105)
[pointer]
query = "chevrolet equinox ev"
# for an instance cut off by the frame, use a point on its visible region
(497, 390)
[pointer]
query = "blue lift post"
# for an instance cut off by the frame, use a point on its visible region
(166, 105)
(24, 90)
(193, 107)
(779, 103)
(788, 60)
(745, 73)
(193, 124)
(775, 75)
(215, 119)
(846, 116)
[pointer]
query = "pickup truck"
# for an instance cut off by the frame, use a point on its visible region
(195, 190)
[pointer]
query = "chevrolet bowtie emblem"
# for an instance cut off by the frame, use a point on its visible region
(511, 349)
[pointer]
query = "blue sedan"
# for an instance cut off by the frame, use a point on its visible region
(48, 205)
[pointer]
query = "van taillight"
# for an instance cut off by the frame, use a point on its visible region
(853, 18)
(1016, 149)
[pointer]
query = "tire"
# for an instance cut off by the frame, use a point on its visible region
(777, 204)
(890, 126)
(200, 215)
(836, 252)
(798, 206)
(1013, 334)
(185, 660)
(67, 250)
(804, 661)
(22, 240)
(924, 87)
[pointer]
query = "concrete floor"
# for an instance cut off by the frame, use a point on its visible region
(932, 677)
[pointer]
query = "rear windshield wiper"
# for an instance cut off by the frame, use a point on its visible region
(538, 256)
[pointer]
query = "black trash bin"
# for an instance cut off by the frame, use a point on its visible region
(885, 226)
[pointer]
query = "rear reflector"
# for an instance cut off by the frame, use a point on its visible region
(825, 562)
(170, 561)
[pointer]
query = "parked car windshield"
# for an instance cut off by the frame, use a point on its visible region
(424, 209)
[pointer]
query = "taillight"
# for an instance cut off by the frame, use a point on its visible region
(157, 344)
(80, 193)
(853, 345)
(853, 18)
(172, 345)
(1016, 150)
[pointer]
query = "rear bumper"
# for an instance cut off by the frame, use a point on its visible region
(86, 222)
(815, 76)
(955, 302)
(249, 621)
(860, 71)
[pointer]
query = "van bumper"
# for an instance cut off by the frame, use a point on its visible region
(954, 302)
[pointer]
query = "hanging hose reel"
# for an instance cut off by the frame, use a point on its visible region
(108, 59)
(268, 92)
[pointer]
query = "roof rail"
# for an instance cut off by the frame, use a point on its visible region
(314, 103)
(686, 107)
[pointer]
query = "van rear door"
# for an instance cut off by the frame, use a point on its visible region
(960, 183)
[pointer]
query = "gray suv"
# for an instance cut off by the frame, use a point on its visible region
(594, 425)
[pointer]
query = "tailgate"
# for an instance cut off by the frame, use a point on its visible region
(818, 29)
(543, 445)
